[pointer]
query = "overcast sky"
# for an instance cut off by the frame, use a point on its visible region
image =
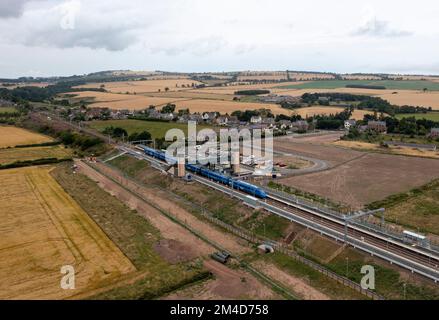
(65, 37)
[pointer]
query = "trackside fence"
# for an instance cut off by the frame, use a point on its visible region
(252, 238)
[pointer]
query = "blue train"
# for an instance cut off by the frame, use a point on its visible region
(236, 184)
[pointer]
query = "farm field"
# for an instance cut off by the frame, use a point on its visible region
(320, 110)
(227, 106)
(157, 129)
(144, 86)
(232, 88)
(414, 98)
(7, 110)
(315, 149)
(43, 229)
(365, 178)
(27, 84)
(434, 116)
(121, 101)
(13, 136)
(191, 94)
(408, 151)
(10, 155)
(418, 209)
(389, 84)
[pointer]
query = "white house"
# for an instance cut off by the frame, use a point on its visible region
(256, 119)
(349, 124)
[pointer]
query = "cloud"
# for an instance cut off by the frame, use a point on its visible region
(12, 8)
(379, 28)
(199, 47)
(70, 24)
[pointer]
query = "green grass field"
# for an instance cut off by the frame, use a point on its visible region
(157, 129)
(389, 84)
(434, 116)
(7, 110)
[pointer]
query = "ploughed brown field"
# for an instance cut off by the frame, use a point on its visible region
(42, 229)
(357, 178)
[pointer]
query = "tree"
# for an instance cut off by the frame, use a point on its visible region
(169, 108)
(144, 135)
(115, 132)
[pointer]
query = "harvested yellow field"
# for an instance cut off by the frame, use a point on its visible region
(413, 98)
(359, 114)
(13, 136)
(282, 75)
(32, 84)
(123, 101)
(43, 229)
(10, 155)
(190, 94)
(227, 106)
(273, 76)
(144, 86)
(300, 92)
(231, 89)
(405, 151)
(356, 145)
(299, 76)
(323, 110)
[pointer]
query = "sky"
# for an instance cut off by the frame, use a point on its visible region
(67, 37)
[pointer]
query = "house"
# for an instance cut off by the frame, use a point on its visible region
(434, 133)
(378, 126)
(209, 116)
(227, 120)
(183, 118)
(97, 113)
(284, 124)
(258, 126)
(256, 119)
(269, 121)
(167, 116)
(196, 117)
(153, 114)
(274, 98)
(233, 120)
(300, 125)
(118, 115)
(348, 124)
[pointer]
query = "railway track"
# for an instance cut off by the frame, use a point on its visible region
(412, 258)
(363, 234)
(414, 254)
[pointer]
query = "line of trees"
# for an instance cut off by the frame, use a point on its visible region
(362, 102)
(117, 132)
(251, 92)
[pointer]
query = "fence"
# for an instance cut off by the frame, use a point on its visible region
(387, 232)
(252, 238)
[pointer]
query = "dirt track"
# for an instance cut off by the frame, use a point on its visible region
(168, 229)
(355, 177)
(162, 200)
(228, 284)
